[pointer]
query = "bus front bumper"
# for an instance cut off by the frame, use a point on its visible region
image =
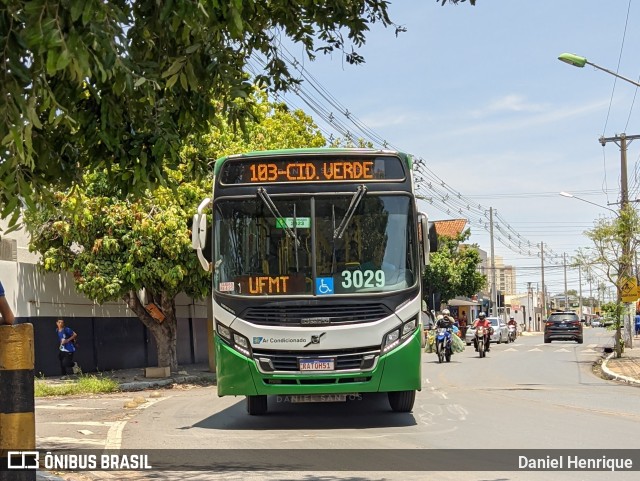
(397, 370)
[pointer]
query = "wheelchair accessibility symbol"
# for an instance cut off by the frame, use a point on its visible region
(324, 285)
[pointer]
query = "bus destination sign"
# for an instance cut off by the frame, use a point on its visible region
(313, 169)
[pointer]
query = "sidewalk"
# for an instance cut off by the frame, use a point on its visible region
(627, 368)
(134, 379)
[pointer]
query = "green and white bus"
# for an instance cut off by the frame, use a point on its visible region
(316, 257)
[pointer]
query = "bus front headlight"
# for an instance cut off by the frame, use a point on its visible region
(234, 339)
(392, 339)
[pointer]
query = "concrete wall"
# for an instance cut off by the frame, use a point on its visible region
(110, 335)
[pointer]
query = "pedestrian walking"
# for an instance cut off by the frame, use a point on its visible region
(637, 323)
(67, 349)
(6, 314)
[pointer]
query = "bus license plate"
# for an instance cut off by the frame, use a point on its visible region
(317, 364)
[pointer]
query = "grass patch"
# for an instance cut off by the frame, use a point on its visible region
(83, 384)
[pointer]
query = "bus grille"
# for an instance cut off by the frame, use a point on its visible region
(331, 314)
(287, 361)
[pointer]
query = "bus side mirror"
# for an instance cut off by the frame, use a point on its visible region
(428, 239)
(200, 235)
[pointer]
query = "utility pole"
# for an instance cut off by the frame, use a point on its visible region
(494, 287)
(528, 305)
(580, 290)
(623, 141)
(544, 299)
(566, 295)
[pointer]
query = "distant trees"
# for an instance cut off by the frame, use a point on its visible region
(615, 242)
(453, 270)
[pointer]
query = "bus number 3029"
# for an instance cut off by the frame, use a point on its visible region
(359, 279)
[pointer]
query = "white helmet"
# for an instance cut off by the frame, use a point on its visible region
(445, 312)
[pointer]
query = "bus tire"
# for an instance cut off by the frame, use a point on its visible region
(402, 401)
(256, 405)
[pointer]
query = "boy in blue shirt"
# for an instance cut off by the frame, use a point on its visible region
(67, 348)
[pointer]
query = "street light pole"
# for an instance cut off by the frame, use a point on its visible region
(567, 194)
(625, 264)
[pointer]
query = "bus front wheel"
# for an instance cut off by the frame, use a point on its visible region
(402, 401)
(256, 405)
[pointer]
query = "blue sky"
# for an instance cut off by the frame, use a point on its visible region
(479, 94)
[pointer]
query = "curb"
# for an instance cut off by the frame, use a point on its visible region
(142, 385)
(616, 377)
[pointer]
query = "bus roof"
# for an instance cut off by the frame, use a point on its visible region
(406, 158)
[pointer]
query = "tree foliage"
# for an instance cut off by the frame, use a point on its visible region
(615, 242)
(453, 270)
(119, 85)
(116, 244)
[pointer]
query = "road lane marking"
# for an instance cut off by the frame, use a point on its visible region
(54, 440)
(534, 350)
(114, 436)
(69, 407)
(83, 423)
(562, 350)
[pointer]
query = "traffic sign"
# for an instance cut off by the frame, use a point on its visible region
(629, 289)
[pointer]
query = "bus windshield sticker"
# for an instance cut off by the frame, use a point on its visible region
(324, 286)
(300, 222)
(226, 287)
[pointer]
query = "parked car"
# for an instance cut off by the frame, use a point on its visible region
(596, 323)
(500, 331)
(564, 326)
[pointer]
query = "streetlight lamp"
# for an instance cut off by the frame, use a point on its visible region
(567, 194)
(578, 61)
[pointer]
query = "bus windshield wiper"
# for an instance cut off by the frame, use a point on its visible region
(264, 196)
(355, 201)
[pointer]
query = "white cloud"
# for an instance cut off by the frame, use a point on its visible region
(509, 103)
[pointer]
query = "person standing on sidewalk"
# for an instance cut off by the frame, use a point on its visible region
(637, 323)
(6, 314)
(67, 348)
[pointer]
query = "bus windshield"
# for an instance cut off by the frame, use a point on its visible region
(265, 245)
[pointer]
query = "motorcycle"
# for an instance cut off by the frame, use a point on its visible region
(481, 337)
(443, 344)
(511, 336)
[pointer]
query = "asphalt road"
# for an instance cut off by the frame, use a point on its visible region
(525, 395)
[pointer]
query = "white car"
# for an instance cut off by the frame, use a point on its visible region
(500, 331)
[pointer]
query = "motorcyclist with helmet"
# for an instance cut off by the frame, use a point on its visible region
(512, 322)
(484, 322)
(445, 320)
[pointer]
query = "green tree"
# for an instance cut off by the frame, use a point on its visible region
(453, 270)
(116, 244)
(611, 257)
(119, 85)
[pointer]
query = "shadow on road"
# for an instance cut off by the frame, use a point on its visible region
(369, 410)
